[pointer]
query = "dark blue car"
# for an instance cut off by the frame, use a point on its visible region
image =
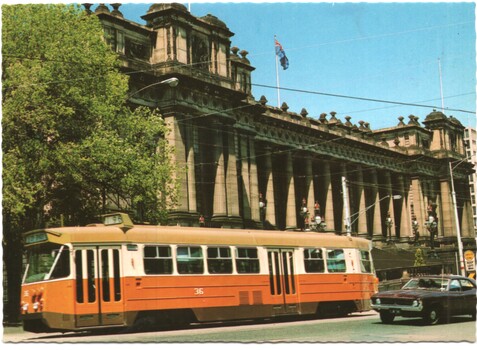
(434, 298)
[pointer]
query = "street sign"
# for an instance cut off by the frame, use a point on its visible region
(469, 258)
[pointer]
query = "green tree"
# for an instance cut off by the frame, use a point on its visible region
(419, 258)
(70, 142)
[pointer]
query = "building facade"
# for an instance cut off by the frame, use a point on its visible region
(245, 164)
(470, 142)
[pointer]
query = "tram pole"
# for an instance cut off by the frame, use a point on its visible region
(457, 226)
(346, 206)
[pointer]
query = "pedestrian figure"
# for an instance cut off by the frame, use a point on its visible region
(304, 213)
(262, 203)
(201, 221)
(389, 224)
(415, 230)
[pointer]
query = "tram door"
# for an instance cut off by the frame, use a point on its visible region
(99, 295)
(283, 288)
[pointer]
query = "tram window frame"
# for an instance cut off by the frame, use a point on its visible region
(247, 260)
(314, 263)
(62, 266)
(161, 263)
(335, 263)
(116, 275)
(79, 276)
(190, 263)
(91, 275)
(365, 261)
(219, 260)
(105, 277)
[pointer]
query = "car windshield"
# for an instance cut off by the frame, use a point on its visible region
(427, 283)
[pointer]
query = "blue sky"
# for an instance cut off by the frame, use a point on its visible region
(383, 51)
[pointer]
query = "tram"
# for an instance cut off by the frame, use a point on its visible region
(118, 274)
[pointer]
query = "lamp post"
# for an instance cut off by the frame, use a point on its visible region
(456, 214)
(172, 82)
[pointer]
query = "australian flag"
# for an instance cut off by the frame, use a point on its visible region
(281, 55)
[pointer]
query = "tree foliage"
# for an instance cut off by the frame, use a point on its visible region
(70, 143)
(419, 258)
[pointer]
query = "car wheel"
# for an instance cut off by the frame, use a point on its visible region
(386, 317)
(433, 315)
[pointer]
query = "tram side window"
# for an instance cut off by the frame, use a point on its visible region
(247, 260)
(190, 260)
(314, 261)
(335, 260)
(219, 260)
(157, 260)
(365, 261)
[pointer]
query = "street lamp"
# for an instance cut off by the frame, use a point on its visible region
(456, 214)
(172, 82)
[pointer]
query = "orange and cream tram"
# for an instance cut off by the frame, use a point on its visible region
(118, 274)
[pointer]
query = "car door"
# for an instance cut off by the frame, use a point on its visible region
(455, 298)
(468, 295)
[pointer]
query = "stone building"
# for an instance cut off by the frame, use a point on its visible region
(470, 142)
(231, 148)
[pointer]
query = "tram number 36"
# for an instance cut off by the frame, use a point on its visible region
(198, 291)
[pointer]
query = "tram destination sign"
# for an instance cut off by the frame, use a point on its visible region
(36, 237)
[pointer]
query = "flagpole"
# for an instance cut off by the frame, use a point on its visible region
(276, 70)
(440, 81)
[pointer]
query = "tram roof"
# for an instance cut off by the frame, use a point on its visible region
(193, 235)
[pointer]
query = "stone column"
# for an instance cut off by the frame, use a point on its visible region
(467, 219)
(309, 187)
(377, 223)
(269, 194)
(254, 192)
(246, 195)
(343, 209)
(419, 204)
(447, 216)
(389, 192)
(405, 223)
(191, 185)
(178, 157)
(435, 187)
(362, 222)
(329, 207)
(220, 194)
(233, 209)
(290, 209)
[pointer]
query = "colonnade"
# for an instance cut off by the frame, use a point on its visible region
(223, 169)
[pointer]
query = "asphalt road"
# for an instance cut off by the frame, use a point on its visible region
(357, 328)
